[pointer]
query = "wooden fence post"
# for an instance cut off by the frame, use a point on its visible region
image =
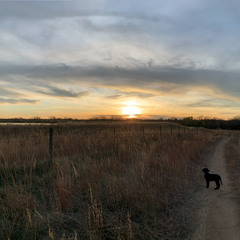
(50, 143)
(114, 135)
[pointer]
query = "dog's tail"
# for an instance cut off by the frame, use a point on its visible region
(220, 180)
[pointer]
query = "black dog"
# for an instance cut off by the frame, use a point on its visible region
(212, 177)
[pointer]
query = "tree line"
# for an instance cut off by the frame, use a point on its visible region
(231, 124)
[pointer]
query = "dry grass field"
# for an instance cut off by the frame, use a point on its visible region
(232, 155)
(105, 181)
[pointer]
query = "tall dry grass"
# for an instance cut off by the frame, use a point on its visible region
(232, 156)
(107, 181)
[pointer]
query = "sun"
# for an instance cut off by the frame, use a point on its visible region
(131, 110)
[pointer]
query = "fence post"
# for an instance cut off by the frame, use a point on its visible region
(114, 135)
(50, 143)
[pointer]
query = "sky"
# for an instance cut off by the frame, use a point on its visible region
(150, 58)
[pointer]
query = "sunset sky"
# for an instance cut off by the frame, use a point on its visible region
(86, 58)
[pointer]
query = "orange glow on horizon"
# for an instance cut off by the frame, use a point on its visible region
(131, 109)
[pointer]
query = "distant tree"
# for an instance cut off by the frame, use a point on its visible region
(52, 118)
(236, 118)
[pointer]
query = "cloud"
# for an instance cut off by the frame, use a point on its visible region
(124, 94)
(139, 94)
(9, 93)
(195, 34)
(114, 96)
(214, 103)
(57, 92)
(17, 101)
(158, 79)
(55, 9)
(156, 116)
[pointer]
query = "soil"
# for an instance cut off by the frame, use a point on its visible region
(217, 215)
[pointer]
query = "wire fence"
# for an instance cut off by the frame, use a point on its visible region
(24, 143)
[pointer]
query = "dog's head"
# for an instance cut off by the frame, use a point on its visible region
(205, 170)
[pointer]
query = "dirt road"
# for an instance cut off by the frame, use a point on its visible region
(218, 218)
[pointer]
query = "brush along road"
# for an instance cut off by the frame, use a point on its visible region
(218, 219)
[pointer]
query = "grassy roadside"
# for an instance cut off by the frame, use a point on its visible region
(232, 155)
(103, 184)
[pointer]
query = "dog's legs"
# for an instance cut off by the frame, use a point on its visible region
(217, 184)
(207, 184)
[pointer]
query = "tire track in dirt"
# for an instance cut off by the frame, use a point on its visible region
(218, 218)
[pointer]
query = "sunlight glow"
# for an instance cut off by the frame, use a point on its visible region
(131, 109)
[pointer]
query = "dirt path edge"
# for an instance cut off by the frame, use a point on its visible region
(217, 215)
